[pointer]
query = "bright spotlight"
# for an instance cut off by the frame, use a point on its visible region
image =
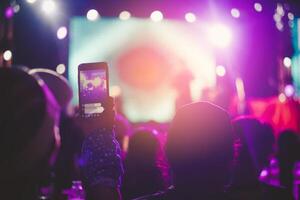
(9, 12)
(48, 6)
(220, 70)
(289, 90)
(190, 17)
(258, 7)
(92, 15)
(7, 55)
(31, 1)
(124, 15)
(287, 62)
(61, 32)
(61, 68)
(220, 35)
(115, 91)
(235, 13)
(291, 16)
(281, 97)
(156, 16)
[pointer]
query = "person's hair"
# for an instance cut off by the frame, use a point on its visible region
(256, 140)
(22, 110)
(199, 145)
(142, 173)
(143, 147)
(288, 153)
(23, 107)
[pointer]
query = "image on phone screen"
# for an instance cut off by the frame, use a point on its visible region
(93, 91)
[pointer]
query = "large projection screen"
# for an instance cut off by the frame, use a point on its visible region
(145, 59)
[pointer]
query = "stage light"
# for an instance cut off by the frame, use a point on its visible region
(31, 1)
(124, 15)
(61, 68)
(287, 62)
(16, 8)
(220, 35)
(7, 55)
(279, 26)
(92, 15)
(289, 90)
(281, 97)
(9, 12)
(115, 91)
(258, 7)
(280, 9)
(277, 17)
(291, 16)
(240, 89)
(190, 17)
(156, 16)
(61, 32)
(220, 70)
(235, 13)
(264, 173)
(48, 6)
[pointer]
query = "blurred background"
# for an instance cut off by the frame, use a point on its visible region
(242, 55)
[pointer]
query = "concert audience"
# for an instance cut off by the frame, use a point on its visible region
(210, 156)
(288, 153)
(254, 146)
(199, 149)
(142, 174)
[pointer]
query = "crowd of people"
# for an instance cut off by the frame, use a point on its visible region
(47, 150)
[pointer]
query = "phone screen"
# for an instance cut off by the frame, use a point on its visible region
(92, 91)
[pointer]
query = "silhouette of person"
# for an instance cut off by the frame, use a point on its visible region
(142, 175)
(199, 149)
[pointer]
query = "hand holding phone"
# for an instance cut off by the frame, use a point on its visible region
(95, 105)
(93, 88)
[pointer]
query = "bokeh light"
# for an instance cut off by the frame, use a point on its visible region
(235, 13)
(61, 69)
(291, 16)
(61, 32)
(124, 15)
(92, 15)
(258, 7)
(289, 90)
(156, 16)
(279, 26)
(31, 1)
(220, 70)
(190, 17)
(7, 55)
(16, 8)
(287, 62)
(282, 97)
(280, 9)
(48, 6)
(115, 91)
(220, 35)
(9, 12)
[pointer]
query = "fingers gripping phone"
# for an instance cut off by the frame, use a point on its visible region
(93, 88)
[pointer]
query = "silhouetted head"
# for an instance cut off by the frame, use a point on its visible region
(289, 145)
(28, 117)
(200, 146)
(143, 147)
(256, 140)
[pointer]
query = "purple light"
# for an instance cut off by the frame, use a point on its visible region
(264, 173)
(289, 90)
(9, 12)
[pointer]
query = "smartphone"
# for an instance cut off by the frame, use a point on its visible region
(93, 88)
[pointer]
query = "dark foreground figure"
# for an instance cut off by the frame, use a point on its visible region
(200, 152)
